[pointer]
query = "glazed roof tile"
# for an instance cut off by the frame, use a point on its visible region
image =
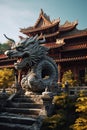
(68, 25)
(72, 59)
(2, 56)
(53, 45)
(33, 29)
(46, 23)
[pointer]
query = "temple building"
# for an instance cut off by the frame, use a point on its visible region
(67, 45)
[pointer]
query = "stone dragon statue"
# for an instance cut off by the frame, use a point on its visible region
(42, 70)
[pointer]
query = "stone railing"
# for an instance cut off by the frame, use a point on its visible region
(74, 91)
(8, 90)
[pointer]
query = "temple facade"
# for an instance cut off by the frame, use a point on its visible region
(67, 45)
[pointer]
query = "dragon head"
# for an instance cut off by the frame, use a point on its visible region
(28, 51)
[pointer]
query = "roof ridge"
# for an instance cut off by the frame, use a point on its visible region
(44, 16)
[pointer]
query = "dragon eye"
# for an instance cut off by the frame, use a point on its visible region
(26, 55)
(19, 48)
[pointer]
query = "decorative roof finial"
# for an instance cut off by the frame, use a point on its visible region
(41, 11)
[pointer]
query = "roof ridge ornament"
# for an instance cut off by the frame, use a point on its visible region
(45, 15)
(56, 20)
(42, 12)
(60, 41)
(67, 23)
(75, 22)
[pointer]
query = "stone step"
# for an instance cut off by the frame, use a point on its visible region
(30, 98)
(19, 114)
(13, 126)
(25, 99)
(25, 105)
(17, 119)
(31, 111)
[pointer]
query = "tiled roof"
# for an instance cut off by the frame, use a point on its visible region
(2, 56)
(72, 59)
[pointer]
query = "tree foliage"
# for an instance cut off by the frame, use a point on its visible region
(69, 77)
(5, 46)
(69, 114)
(6, 77)
(63, 115)
(81, 109)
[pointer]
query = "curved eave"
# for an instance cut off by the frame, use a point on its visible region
(32, 30)
(51, 35)
(71, 59)
(8, 60)
(81, 34)
(7, 63)
(43, 17)
(2, 56)
(75, 47)
(52, 45)
(67, 28)
(6, 66)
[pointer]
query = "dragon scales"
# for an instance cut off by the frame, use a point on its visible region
(42, 70)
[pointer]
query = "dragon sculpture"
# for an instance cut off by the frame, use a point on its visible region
(42, 70)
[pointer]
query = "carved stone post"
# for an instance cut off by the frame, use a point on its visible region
(16, 80)
(47, 98)
(17, 83)
(19, 76)
(59, 72)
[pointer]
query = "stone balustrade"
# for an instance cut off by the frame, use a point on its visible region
(74, 91)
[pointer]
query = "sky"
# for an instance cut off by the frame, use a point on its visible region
(16, 14)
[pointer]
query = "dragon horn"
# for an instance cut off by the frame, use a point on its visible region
(31, 40)
(9, 38)
(35, 37)
(43, 40)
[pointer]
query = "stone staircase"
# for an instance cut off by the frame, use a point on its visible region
(21, 113)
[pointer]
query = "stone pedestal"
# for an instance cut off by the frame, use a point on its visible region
(47, 98)
(3, 98)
